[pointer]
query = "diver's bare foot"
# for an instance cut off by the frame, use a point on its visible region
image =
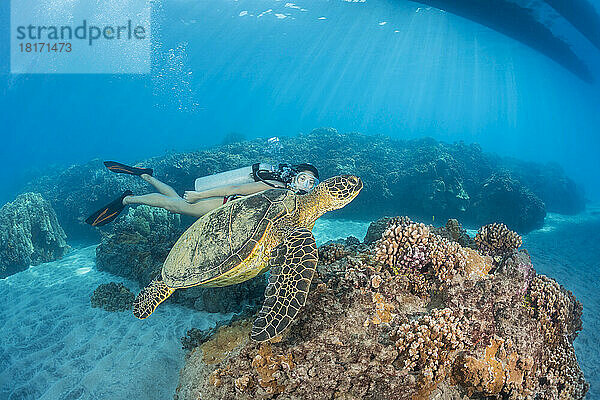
(191, 196)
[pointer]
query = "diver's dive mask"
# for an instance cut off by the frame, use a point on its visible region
(304, 182)
(301, 178)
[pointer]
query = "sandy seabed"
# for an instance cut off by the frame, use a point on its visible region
(56, 346)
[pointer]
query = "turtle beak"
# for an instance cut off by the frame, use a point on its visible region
(359, 185)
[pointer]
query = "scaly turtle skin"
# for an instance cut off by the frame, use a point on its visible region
(246, 237)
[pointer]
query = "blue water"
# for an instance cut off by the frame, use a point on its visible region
(263, 68)
(390, 67)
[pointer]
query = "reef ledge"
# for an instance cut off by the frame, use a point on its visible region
(421, 313)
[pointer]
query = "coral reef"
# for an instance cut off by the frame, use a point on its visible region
(376, 229)
(454, 231)
(421, 178)
(548, 181)
(139, 243)
(195, 337)
(29, 234)
(137, 247)
(79, 190)
(499, 370)
(496, 239)
(425, 346)
(367, 333)
(555, 307)
(112, 297)
(408, 246)
(403, 244)
(559, 320)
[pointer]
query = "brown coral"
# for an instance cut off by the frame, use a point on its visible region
(560, 369)
(403, 244)
(496, 239)
(332, 252)
(406, 246)
(476, 264)
(447, 258)
(383, 310)
(499, 371)
(454, 228)
(268, 367)
(224, 341)
(425, 345)
(555, 308)
(559, 316)
(454, 232)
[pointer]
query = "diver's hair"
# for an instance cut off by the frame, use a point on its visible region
(307, 167)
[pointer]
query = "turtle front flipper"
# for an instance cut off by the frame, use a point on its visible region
(150, 297)
(293, 265)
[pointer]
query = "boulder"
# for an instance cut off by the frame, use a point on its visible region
(29, 234)
(112, 297)
(503, 198)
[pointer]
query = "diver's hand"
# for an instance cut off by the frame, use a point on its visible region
(191, 196)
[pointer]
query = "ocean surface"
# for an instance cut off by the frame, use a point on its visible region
(56, 346)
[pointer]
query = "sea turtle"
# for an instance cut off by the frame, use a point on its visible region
(246, 237)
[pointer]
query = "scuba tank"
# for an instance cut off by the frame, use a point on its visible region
(238, 176)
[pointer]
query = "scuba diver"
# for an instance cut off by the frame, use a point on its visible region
(210, 191)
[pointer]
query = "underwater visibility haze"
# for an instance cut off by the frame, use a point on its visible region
(446, 153)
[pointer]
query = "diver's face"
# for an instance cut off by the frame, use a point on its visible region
(305, 180)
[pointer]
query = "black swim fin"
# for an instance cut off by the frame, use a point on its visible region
(108, 213)
(126, 169)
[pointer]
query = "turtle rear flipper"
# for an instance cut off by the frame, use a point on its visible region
(150, 297)
(293, 266)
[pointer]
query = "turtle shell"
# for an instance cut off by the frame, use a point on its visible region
(223, 238)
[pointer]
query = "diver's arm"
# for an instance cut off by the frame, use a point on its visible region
(251, 188)
(221, 191)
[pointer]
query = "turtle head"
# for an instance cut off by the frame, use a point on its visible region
(338, 191)
(331, 194)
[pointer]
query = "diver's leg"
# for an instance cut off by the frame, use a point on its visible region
(176, 204)
(200, 207)
(151, 199)
(160, 186)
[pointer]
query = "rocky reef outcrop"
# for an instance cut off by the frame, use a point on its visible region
(112, 297)
(504, 198)
(29, 234)
(414, 315)
(138, 245)
(422, 178)
(549, 182)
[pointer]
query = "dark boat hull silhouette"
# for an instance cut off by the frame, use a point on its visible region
(518, 23)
